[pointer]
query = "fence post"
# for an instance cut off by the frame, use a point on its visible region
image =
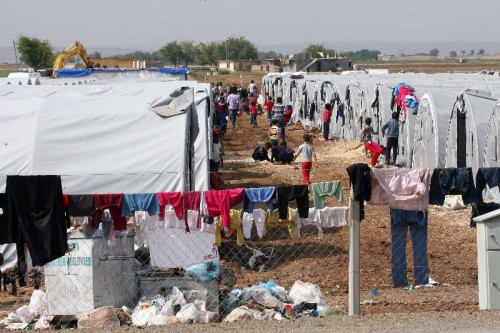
(354, 285)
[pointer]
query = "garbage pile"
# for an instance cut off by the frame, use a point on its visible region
(178, 307)
(34, 315)
(269, 301)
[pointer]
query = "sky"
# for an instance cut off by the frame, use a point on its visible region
(270, 24)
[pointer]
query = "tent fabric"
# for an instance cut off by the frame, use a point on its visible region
(175, 71)
(100, 139)
(74, 72)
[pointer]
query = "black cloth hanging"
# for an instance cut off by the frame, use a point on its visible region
(4, 236)
(487, 176)
(359, 175)
(82, 205)
(299, 193)
(480, 209)
(36, 216)
(452, 181)
(312, 110)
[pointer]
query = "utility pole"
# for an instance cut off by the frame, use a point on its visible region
(15, 50)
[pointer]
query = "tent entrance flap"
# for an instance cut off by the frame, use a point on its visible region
(461, 139)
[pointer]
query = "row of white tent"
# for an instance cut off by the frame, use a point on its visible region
(131, 134)
(456, 125)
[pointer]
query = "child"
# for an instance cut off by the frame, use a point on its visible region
(392, 127)
(288, 114)
(222, 114)
(327, 116)
(274, 132)
(253, 114)
(366, 137)
(307, 154)
(269, 109)
(260, 153)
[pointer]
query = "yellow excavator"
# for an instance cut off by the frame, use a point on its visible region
(73, 50)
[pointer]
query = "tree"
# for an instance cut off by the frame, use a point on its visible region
(270, 55)
(434, 52)
(472, 52)
(365, 54)
(239, 48)
(480, 52)
(95, 55)
(210, 53)
(34, 52)
(172, 52)
(462, 52)
(314, 50)
(453, 54)
(188, 53)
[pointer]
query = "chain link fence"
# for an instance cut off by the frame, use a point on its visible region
(263, 270)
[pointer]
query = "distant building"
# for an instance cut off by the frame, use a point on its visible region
(386, 57)
(126, 63)
(321, 65)
(241, 65)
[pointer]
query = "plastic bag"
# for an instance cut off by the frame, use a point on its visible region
(38, 303)
(103, 317)
(175, 298)
(204, 271)
(141, 318)
(304, 292)
(261, 296)
(191, 311)
(25, 314)
(229, 301)
(275, 290)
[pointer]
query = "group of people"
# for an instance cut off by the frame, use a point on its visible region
(392, 129)
(233, 101)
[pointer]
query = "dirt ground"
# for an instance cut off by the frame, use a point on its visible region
(451, 243)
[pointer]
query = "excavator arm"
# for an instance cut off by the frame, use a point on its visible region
(73, 50)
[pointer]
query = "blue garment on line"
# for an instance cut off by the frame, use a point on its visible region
(399, 85)
(261, 194)
(143, 202)
(416, 221)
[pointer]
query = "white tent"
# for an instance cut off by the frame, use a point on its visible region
(100, 138)
(492, 149)
(467, 129)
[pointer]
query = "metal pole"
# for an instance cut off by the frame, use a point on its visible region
(354, 281)
(15, 50)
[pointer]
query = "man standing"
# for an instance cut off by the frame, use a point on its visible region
(233, 101)
(251, 86)
(278, 114)
(392, 127)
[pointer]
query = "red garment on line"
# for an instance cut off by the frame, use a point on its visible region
(220, 202)
(191, 202)
(113, 202)
(174, 199)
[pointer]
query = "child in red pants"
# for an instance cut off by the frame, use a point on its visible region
(366, 137)
(307, 154)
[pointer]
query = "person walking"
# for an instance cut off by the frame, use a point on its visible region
(269, 108)
(392, 127)
(327, 116)
(222, 114)
(278, 114)
(253, 114)
(234, 101)
(307, 154)
(366, 137)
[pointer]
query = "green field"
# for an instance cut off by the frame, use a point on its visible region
(4, 73)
